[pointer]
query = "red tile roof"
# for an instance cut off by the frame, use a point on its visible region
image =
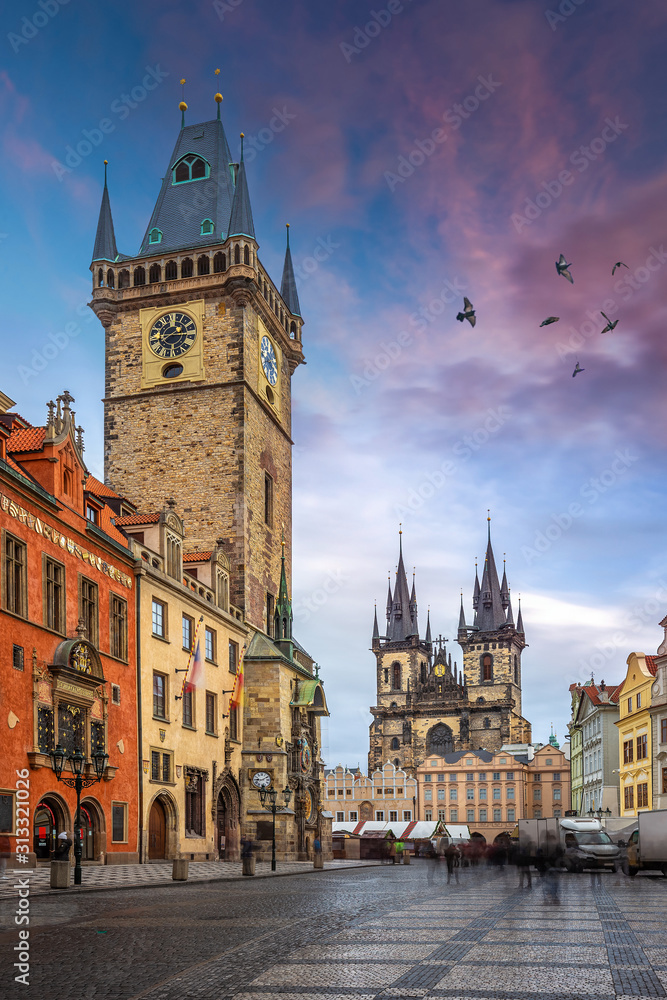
(137, 519)
(13, 465)
(191, 557)
(26, 439)
(593, 692)
(651, 664)
(99, 489)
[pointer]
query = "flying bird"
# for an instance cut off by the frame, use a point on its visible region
(610, 324)
(619, 263)
(549, 319)
(577, 370)
(468, 313)
(562, 268)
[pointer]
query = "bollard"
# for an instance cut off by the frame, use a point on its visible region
(60, 874)
(318, 861)
(249, 866)
(179, 871)
(406, 857)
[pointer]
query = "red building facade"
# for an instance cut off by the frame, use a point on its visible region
(67, 640)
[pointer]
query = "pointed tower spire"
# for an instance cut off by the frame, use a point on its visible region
(504, 589)
(475, 592)
(288, 285)
(105, 238)
(240, 221)
(490, 615)
(376, 630)
(509, 620)
(429, 641)
(462, 621)
(400, 625)
(413, 607)
(519, 621)
(389, 600)
(282, 629)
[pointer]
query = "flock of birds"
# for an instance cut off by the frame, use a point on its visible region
(563, 269)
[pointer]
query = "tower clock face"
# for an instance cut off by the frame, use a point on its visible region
(269, 363)
(172, 335)
(261, 779)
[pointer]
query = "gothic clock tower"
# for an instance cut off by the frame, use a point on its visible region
(201, 347)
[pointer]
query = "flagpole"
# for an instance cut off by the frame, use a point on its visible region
(186, 670)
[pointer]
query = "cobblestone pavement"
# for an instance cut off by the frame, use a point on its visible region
(129, 876)
(381, 933)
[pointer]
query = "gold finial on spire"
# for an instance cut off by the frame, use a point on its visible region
(182, 107)
(218, 97)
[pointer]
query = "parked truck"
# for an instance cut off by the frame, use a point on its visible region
(583, 841)
(647, 847)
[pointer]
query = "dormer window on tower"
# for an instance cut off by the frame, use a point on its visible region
(207, 227)
(155, 236)
(190, 168)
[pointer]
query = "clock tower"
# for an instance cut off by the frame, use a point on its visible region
(201, 346)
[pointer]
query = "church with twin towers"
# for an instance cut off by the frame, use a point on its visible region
(426, 704)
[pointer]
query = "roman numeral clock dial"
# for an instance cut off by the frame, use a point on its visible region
(172, 335)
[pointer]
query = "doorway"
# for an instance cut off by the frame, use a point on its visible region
(157, 828)
(50, 819)
(222, 828)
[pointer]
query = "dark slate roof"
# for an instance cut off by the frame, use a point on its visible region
(288, 285)
(400, 623)
(490, 612)
(240, 222)
(105, 238)
(179, 210)
(455, 757)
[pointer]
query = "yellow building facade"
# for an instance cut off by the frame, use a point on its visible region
(635, 743)
(388, 795)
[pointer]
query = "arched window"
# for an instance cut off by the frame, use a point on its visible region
(110, 279)
(395, 744)
(487, 723)
(292, 330)
(207, 227)
(186, 268)
(170, 270)
(422, 673)
(139, 276)
(439, 739)
(396, 676)
(237, 254)
(487, 667)
(246, 255)
(219, 263)
(397, 762)
(67, 482)
(155, 236)
(203, 264)
(190, 168)
(154, 274)
(516, 669)
(100, 277)
(124, 278)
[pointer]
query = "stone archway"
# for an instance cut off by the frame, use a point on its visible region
(226, 816)
(94, 831)
(51, 817)
(164, 816)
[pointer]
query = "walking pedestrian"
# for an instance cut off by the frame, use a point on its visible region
(524, 856)
(453, 859)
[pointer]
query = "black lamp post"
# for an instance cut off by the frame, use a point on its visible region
(268, 798)
(78, 764)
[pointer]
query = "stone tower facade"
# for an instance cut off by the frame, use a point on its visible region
(425, 705)
(201, 347)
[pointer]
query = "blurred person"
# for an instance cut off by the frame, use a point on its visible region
(523, 858)
(453, 859)
(551, 863)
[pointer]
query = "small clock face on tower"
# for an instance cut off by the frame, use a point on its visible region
(269, 363)
(261, 779)
(172, 335)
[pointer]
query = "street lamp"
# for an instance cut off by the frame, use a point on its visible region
(78, 764)
(268, 798)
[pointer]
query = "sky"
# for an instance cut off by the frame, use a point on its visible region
(421, 150)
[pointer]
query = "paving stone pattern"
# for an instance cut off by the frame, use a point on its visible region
(377, 933)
